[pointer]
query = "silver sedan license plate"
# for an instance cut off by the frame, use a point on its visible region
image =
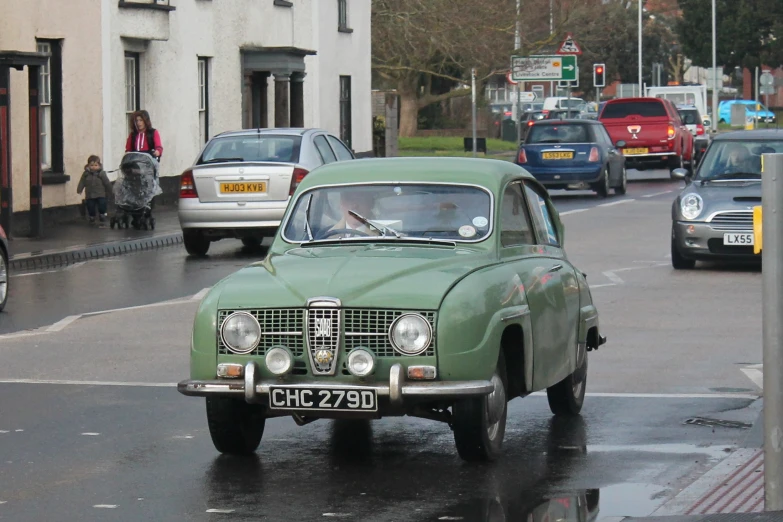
(738, 239)
(320, 399)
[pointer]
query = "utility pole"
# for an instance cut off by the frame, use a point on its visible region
(517, 45)
(473, 97)
(714, 74)
(756, 97)
(772, 299)
(551, 31)
(640, 48)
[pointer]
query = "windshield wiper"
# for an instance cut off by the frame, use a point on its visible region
(382, 229)
(308, 230)
(221, 160)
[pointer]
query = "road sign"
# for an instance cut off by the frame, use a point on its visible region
(550, 68)
(766, 79)
(527, 96)
(569, 46)
(510, 80)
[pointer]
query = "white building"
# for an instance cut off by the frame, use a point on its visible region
(199, 67)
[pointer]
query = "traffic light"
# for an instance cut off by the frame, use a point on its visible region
(599, 75)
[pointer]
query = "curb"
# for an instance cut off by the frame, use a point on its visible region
(55, 258)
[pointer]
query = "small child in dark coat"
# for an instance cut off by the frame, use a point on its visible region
(98, 187)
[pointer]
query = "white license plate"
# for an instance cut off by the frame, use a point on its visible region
(738, 239)
(333, 399)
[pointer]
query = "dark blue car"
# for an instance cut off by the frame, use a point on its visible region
(573, 155)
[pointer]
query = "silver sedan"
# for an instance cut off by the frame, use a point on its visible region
(241, 183)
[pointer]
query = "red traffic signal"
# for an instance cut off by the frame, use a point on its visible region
(599, 75)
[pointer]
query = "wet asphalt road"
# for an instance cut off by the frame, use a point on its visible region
(129, 454)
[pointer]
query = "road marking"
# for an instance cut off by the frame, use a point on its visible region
(105, 506)
(755, 373)
(4, 431)
(575, 211)
(90, 383)
(3, 501)
(613, 203)
(91, 434)
(601, 286)
(69, 267)
(224, 511)
(611, 276)
(658, 194)
(63, 323)
(200, 294)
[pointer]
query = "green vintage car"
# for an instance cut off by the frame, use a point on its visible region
(430, 287)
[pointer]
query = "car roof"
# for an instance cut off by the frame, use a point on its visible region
(687, 107)
(742, 135)
(489, 173)
(640, 99)
(288, 131)
(567, 121)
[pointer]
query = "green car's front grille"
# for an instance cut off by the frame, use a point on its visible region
(361, 327)
(279, 326)
(370, 328)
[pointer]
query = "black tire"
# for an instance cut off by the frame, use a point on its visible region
(568, 396)
(602, 185)
(195, 242)
(679, 262)
(478, 438)
(236, 427)
(622, 188)
(5, 279)
(252, 242)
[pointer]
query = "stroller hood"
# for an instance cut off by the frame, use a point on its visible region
(137, 182)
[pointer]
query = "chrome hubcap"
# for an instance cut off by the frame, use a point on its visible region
(496, 402)
(3, 279)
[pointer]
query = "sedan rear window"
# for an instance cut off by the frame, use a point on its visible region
(645, 109)
(558, 134)
(282, 149)
(690, 116)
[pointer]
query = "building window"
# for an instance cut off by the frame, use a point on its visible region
(203, 99)
(345, 110)
(342, 16)
(50, 96)
(132, 81)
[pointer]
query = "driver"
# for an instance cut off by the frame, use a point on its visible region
(739, 160)
(361, 202)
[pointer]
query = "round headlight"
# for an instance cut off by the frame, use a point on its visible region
(240, 332)
(691, 206)
(361, 362)
(410, 334)
(278, 361)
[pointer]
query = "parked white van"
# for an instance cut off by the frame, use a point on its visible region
(561, 102)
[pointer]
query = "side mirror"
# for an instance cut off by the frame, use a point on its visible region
(680, 174)
(620, 144)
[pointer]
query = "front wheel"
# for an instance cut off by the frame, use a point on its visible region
(196, 243)
(678, 261)
(479, 424)
(4, 279)
(236, 427)
(568, 396)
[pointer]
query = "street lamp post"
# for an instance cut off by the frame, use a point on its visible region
(714, 75)
(640, 47)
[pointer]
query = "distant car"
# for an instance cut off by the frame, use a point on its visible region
(761, 115)
(690, 116)
(712, 218)
(575, 155)
(563, 114)
(240, 184)
(5, 278)
(529, 118)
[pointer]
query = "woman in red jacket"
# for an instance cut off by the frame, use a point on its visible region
(143, 137)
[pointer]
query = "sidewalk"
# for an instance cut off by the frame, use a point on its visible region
(77, 241)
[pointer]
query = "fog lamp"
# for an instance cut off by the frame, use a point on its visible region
(279, 360)
(361, 362)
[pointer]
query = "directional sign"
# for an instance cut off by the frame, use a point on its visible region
(569, 46)
(549, 68)
(527, 96)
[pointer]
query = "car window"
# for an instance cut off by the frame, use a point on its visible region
(515, 228)
(690, 117)
(736, 159)
(252, 148)
(323, 148)
(542, 219)
(645, 109)
(566, 133)
(342, 151)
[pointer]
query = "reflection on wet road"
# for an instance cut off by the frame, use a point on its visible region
(147, 453)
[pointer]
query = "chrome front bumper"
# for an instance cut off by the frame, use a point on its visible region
(254, 390)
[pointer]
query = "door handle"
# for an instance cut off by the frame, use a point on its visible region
(556, 268)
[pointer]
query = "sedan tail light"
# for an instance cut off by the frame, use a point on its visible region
(521, 157)
(593, 155)
(187, 185)
(670, 132)
(699, 129)
(296, 179)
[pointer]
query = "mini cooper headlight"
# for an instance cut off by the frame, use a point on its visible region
(691, 206)
(410, 334)
(361, 362)
(279, 360)
(240, 332)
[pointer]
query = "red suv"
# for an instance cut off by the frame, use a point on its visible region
(654, 134)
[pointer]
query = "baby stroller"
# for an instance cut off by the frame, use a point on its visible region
(134, 189)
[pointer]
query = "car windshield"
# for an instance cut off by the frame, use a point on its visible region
(252, 147)
(391, 211)
(731, 160)
(572, 103)
(645, 109)
(573, 133)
